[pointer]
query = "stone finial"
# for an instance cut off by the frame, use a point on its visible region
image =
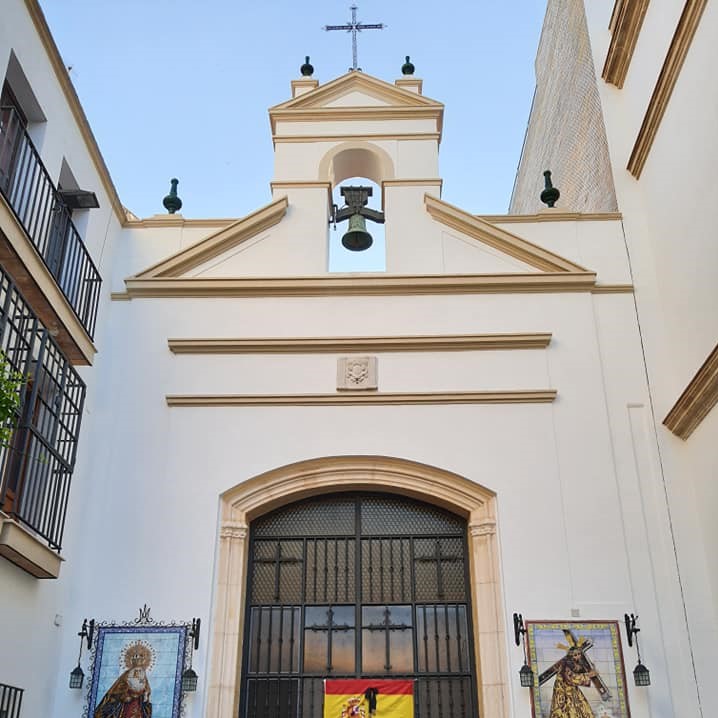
(172, 203)
(550, 194)
(407, 68)
(307, 69)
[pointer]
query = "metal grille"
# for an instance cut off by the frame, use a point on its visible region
(356, 586)
(26, 185)
(38, 463)
(10, 701)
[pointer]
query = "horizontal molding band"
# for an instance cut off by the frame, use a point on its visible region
(539, 282)
(177, 220)
(680, 44)
(332, 345)
(697, 400)
(612, 289)
(625, 27)
(356, 398)
(551, 216)
(400, 136)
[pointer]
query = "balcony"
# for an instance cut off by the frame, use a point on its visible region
(45, 221)
(10, 701)
(37, 464)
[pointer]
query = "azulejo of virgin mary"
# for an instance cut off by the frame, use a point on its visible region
(129, 696)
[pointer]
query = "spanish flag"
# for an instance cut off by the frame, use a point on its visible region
(367, 698)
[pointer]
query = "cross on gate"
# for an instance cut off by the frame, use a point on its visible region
(354, 27)
(387, 626)
(330, 627)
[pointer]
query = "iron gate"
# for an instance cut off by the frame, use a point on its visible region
(357, 586)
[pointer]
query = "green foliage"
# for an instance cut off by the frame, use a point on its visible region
(11, 383)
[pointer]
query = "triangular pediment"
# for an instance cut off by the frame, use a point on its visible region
(358, 84)
(183, 262)
(356, 95)
(505, 245)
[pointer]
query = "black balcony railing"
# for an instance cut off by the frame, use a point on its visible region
(37, 464)
(28, 189)
(10, 701)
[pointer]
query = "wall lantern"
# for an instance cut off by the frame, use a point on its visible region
(526, 675)
(641, 674)
(88, 631)
(189, 677)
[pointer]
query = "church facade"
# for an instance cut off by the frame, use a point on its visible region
(344, 476)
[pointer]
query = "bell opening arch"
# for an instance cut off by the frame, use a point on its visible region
(289, 484)
(356, 159)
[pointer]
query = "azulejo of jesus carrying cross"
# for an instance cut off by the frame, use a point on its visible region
(354, 27)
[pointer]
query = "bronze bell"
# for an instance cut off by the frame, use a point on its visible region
(356, 238)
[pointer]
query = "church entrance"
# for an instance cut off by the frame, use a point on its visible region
(357, 586)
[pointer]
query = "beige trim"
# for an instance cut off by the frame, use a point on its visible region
(359, 398)
(333, 345)
(550, 217)
(353, 114)
(612, 289)
(58, 66)
(177, 220)
(227, 238)
(119, 297)
(680, 44)
(21, 547)
(402, 104)
(500, 239)
(350, 81)
(400, 136)
(250, 499)
(389, 285)
(625, 27)
(697, 399)
(40, 288)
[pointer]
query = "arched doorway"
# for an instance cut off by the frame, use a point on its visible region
(264, 493)
(357, 586)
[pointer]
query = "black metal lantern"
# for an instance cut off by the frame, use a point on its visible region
(641, 675)
(189, 681)
(189, 677)
(526, 675)
(76, 677)
(87, 631)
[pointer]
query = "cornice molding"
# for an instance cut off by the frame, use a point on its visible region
(204, 250)
(348, 114)
(333, 345)
(73, 101)
(499, 239)
(544, 396)
(625, 27)
(612, 289)
(174, 220)
(697, 399)
(680, 44)
(390, 285)
(351, 81)
(557, 216)
(371, 137)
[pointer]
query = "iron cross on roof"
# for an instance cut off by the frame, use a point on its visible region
(354, 27)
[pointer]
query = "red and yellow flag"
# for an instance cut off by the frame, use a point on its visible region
(366, 698)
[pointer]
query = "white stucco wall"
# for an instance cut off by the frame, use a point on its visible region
(670, 216)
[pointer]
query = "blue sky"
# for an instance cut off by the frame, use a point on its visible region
(174, 88)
